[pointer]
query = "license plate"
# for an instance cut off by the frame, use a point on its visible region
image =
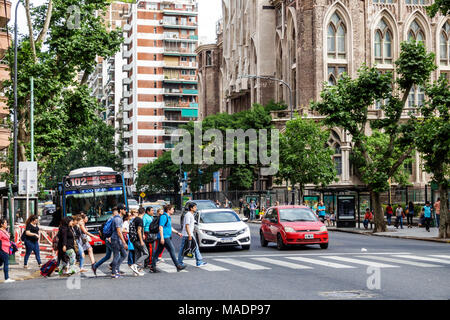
(227, 240)
(98, 243)
(309, 236)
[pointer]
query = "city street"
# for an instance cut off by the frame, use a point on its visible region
(354, 267)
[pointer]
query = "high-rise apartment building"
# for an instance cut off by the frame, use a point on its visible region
(5, 39)
(160, 87)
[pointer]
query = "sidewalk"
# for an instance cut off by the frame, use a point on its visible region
(18, 273)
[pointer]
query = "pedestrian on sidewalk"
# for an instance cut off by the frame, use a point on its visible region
(187, 232)
(4, 249)
(368, 218)
(164, 238)
(66, 247)
(427, 215)
(322, 212)
(389, 213)
(399, 216)
(136, 236)
(437, 211)
(32, 240)
(252, 210)
(149, 238)
(118, 244)
(85, 236)
(79, 243)
(410, 214)
(332, 217)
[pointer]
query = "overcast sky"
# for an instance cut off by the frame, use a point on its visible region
(210, 11)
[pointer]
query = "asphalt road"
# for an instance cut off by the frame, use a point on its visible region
(353, 267)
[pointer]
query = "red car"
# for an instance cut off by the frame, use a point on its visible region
(287, 225)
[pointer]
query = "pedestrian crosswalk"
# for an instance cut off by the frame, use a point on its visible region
(297, 263)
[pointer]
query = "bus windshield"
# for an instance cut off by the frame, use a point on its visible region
(96, 203)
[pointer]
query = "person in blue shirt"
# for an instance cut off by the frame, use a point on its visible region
(427, 215)
(321, 211)
(164, 238)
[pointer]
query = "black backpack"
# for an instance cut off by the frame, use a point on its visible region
(132, 234)
(154, 226)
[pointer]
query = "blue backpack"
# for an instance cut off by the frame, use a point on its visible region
(108, 228)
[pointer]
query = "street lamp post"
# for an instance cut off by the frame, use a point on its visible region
(15, 96)
(251, 76)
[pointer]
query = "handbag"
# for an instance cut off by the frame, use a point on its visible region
(189, 248)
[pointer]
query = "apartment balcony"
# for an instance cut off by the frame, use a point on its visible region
(128, 41)
(178, 51)
(127, 27)
(127, 94)
(127, 121)
(179, 25)
(126, 81)
(128, 161)
(4, 109)
(126, 54)
(127, 67)
(188, 80)
(4, 18)
(127, 134)
(127, 107)
(4, 137)
(174, 37)
(182, 65)
(175, 12)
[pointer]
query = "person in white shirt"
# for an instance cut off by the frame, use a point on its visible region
(187, 232)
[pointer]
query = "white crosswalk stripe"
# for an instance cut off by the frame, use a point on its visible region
(208, 267)
(441, 256)
(242, 264)
(393, 260)
(428, 259)
(363, 262)
(322, 263)
(286, 264)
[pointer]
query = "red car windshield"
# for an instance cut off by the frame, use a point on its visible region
(297, 214)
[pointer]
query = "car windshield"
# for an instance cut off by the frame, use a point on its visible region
(132, 202)
(205, 205)
(219, 217)
(297, 214)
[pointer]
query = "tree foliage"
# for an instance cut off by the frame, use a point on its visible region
(442, 6)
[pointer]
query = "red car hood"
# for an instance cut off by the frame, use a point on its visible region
(303, 225)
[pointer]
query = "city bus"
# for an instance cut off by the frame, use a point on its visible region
(94, 191)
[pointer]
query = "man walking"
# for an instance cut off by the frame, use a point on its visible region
(149, 239)
(118, 244)
(187, 232)
(164, 238)
(252, 210)
(437, 211)
(109, 250)
(427, 215)
(399, 216)
(137, 239)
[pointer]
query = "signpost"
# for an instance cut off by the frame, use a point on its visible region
(28, 181)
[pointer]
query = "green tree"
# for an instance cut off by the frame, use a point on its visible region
(433, 141)
(442, 6)
(60, 45)
(162, 175)
(305, 157)
(380, 147)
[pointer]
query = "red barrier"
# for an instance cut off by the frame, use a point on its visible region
(45, 240)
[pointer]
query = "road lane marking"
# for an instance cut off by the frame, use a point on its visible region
(168, 268)
(322, 263)
(242, 264)
(411, 263)
(441, 256)
(282, 263)
(302, 254)
(363, 262)
(208, 267)
(424, 259)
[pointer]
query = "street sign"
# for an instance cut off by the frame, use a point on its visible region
(142, 195)
(28, 180)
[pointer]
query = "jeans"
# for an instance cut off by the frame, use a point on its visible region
(4, 259)
(427, 223)
(131, 254)
(438, 220)
(366, 223)
(198, 255)
(141, 253)
(389, 219)
(80, 253)
(399, 221)
(170, 248)
(106, 257)
(120, 254)
(32, 246)
(252, 214)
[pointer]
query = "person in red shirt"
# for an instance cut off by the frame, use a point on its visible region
(4, 249)
(368, 217)
(389, 213)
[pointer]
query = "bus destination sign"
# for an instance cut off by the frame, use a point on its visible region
(91, 181)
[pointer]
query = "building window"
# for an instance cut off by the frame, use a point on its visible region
(334, 73)
(335, 143)
(416, 33)
(383, 43)
(337, 38)
(208, 58)
(416, 97)
(383, 1)
(416, 2)
(444, 44)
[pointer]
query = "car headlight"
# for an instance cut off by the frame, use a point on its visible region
(243, 230)
(323, 229)
(289, 229)
(209, 233)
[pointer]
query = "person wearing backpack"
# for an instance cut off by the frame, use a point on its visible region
(136, 236)
(105, 233)
(118, 243)
(165, 239)
(187, 232)
(4, 249)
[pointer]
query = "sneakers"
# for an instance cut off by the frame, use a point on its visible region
(116, 276)
(9, 280)
(202, 264)
(181, 268)
(134, 267)
(94, 270)
(154, 270)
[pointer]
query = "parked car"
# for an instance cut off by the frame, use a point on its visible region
(201, 205)
(221, 228)
(133, 204)
(49, 209)
(292, 225)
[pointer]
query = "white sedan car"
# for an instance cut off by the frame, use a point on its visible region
(221, 228)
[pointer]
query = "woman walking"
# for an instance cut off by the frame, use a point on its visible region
(66, 247)
(78, 240)
(4, 249)
(85, 234)
(32, 240)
